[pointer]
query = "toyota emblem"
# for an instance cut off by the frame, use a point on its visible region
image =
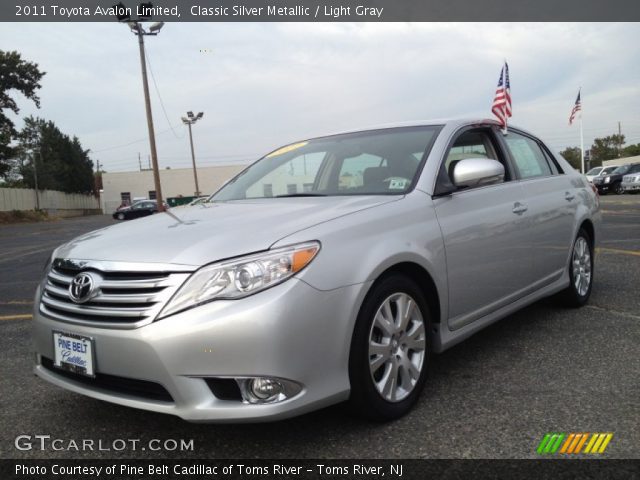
(81, 288)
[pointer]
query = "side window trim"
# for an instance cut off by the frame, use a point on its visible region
(555, 166)
(443, 184)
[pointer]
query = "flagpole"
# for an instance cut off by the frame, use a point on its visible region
(504, 109)
(581, 144)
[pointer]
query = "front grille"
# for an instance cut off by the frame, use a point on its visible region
(122, 299)
(115, 384)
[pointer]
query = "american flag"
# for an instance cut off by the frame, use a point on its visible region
(501, 107)
(576, 108)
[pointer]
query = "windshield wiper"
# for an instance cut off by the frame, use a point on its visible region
(307, 194)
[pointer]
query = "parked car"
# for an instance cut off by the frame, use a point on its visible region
(594, 172)
(631, 181)
(380, 248)
(607, 170)
(138, 209)
(613, 181)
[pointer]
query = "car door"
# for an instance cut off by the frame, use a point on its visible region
(149, 208)
(552, 201)
(138, 210)
(484, 230)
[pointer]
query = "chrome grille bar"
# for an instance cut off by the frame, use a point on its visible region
(117, 301)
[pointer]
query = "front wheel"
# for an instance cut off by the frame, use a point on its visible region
(390, 349)
(618, 189)
(580, 271)
(120, 216)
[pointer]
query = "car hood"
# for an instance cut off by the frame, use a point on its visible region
(214, 231)
(613, 176)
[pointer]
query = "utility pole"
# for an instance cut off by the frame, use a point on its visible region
(139, 162)
(154, 29)
(152, 136)
(619, 139)
(95, 180)
(189, 120)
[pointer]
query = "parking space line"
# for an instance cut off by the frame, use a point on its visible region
(613, 312)
(27, 248)
(26, 254)
(16, 317)
(619, 251)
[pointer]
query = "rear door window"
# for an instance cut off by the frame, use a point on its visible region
(527, 155)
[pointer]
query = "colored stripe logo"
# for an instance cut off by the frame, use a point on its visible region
(572, 443)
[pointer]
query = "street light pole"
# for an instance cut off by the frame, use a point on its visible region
(123, 16)
(152, 136)
(193, 161)
(189, 120)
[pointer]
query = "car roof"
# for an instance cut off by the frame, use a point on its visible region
(450, 122)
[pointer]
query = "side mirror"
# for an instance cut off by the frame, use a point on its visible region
(477, 172)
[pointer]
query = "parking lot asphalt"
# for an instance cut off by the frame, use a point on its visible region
(544, 369)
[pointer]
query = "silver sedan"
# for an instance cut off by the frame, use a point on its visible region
(330, 270)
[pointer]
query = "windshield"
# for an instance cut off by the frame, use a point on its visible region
(365, 163)
(594, 171)
(621, 170)
(607, 170)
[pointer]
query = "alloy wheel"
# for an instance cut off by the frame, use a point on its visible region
(397, 347)
(581, 261)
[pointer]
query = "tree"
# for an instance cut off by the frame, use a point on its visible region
(606, 148)
(61, 162)
(24, 77)
(572, 155)
(631, 150)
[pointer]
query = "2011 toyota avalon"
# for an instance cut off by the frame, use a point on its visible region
(330, 270)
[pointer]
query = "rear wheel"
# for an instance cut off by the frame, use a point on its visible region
(580, 271)
(390, 349)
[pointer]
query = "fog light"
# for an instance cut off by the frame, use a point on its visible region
(267, 390)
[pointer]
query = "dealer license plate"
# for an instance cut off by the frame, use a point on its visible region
(73, 353)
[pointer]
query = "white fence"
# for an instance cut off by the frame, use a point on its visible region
(54, 202)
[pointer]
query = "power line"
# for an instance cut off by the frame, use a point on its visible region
(160, 97)
(131, 143)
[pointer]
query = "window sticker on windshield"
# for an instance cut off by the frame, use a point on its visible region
(288, 148)
(398, 183)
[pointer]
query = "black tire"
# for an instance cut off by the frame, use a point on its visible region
(570, 296)
(617, 188)
(365, 399)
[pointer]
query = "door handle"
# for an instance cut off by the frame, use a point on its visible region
(519, 208)
(568, 196)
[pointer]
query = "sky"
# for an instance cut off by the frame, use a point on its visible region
(263, 85)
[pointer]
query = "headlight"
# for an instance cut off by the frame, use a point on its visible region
(607, 180)
(241, 277)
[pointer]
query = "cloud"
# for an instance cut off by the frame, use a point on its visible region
(263, 85)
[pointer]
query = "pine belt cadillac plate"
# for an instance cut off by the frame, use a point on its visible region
(73, 353)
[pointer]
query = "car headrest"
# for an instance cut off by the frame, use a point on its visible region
(374, 176)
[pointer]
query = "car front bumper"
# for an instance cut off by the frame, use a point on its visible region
(604, 187)
(292, 331)
(630, 187)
